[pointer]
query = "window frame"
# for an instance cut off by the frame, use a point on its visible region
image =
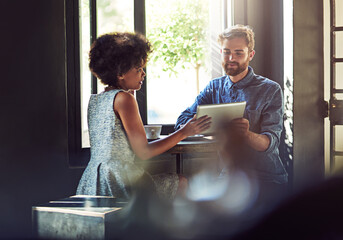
(141, 95)
(78, 157)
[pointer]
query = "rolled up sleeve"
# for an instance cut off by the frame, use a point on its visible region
(272, 119)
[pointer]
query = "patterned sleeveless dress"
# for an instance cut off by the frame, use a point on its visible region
(111, 170)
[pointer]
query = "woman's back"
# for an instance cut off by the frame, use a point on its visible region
(111, 168)
(107, 136)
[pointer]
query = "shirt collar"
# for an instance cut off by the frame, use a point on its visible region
(244, 81)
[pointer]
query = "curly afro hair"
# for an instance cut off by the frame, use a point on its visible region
(114, 54)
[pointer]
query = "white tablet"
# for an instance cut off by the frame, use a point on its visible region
(220, 112)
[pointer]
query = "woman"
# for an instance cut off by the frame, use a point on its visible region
(116, 130)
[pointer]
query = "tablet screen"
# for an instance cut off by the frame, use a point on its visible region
(220, 112)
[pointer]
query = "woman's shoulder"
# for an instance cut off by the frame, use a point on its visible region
(111, 96)
(124, 100)
(114, 93)
(124, 96)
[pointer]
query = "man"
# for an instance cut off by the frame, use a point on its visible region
(261, 125)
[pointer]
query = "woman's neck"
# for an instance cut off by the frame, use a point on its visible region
(109, 88)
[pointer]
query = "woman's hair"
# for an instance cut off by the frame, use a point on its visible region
(239, 31)
(114, 54)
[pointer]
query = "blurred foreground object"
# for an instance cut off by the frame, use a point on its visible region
(77, 217)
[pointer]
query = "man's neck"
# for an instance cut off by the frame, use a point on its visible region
(240, 76)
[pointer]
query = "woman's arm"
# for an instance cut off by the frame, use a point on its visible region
(126, 108)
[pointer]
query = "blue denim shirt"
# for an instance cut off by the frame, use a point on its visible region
(264, 110)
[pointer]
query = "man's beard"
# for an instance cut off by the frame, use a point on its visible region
(234, 71)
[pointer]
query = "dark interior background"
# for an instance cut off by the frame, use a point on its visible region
(33, 124)
(33, 149)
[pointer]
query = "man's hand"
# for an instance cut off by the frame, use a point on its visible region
(259, 142)
(241, 126)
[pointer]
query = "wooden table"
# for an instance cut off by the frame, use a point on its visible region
(201, 145)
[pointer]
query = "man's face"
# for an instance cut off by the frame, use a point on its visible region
(235, 56)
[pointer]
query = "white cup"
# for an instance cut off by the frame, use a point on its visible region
(153, 131)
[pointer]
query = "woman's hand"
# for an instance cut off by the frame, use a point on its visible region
(196, 126)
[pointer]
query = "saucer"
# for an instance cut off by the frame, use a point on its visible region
(151, 140)
(194, 137)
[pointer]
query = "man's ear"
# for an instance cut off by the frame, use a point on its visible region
(251, 55)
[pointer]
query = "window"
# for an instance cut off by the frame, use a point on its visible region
(288, 86)
(186, 55)
(109, 16)
(179, 65)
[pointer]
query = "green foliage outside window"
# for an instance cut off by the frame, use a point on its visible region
(180, 35)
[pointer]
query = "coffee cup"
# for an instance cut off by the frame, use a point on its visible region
(153, 131)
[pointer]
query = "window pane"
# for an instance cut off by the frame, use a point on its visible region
(338, 163)
(179, 67)
(339, 15)
(338, 138)
(339, 47)
(84, 72)
(339, 76)
(112, 15)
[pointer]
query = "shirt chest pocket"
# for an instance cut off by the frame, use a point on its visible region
(254, 117)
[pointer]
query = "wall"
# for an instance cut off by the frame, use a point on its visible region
(265, 18)
(33, 135)
(308, 92)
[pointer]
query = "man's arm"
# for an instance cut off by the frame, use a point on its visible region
(186, 115)
(203, 98)
(259, 142)
(272, 119)
(271, 125)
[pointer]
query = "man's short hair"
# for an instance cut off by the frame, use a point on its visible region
(239, 31)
